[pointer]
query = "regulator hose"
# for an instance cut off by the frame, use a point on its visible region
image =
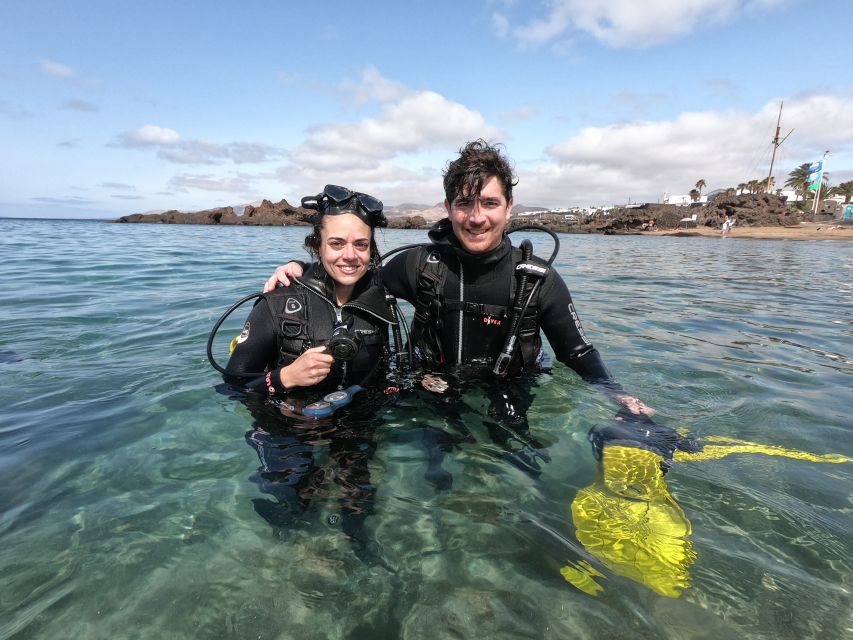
(505, 358)
(218, 324)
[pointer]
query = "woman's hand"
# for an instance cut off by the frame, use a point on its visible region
(309, 369)
(283, 275)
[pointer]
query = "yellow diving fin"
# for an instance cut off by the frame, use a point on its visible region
(729, 446)
(627, 517)
(629, 521)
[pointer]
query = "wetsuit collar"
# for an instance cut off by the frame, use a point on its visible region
(441, 234)
(366, 294)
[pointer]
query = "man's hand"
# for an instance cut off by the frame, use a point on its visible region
(635, 406)
(283, 275)
(434, 383)
(309, 369)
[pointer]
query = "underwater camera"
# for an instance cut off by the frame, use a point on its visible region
(343, 345)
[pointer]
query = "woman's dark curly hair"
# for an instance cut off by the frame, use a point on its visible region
(477, 162)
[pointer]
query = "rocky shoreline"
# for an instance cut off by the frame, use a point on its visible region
(753, 211)
(267, 214)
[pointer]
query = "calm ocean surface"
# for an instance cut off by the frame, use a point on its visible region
(127, 482)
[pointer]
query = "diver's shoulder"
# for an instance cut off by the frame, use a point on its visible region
(280, 291)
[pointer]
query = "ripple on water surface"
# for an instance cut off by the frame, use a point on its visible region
(128, 482)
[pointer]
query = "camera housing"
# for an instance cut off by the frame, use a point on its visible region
(343, 345)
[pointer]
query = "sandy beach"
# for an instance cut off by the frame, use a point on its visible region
(803, 231)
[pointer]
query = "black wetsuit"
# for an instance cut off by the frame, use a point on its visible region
(487, 279)
(287, 321)
(471, 336)
(297, 461)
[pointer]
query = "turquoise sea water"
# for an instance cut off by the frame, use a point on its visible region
(126, 480)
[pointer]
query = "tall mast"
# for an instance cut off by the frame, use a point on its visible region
(776, 144)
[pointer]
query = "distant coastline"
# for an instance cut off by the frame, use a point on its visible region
(758, 216)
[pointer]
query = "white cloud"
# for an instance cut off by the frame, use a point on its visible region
(118, 185)
(641, 160)
(369, 154)
(391, 184)
(203, 152)
(73, 201)
(423, 120)
(629, 23)
(501, 24)
(236, 183)
(372, 86)
(148, 136)
(170, 146)
(58, 70)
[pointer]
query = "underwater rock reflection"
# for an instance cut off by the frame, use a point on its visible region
(627, 518)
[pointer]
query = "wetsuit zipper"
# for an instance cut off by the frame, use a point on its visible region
(345, 305)
(461, 312)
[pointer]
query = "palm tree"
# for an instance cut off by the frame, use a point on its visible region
(694, 195)
(700, 185)
(741, 187)
(731, 191)
(845, 189)
(798, 179)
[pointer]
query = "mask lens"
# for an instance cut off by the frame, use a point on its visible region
(369, 203)
(341, 197)
(337, 194)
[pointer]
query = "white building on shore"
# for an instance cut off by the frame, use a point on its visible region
(682, 201)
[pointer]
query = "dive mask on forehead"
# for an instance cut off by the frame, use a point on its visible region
(335, 200)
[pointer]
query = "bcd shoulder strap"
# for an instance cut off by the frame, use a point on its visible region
(529, 336)
(291, 317)
(429, 304)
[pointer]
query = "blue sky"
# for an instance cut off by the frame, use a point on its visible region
(109, 108)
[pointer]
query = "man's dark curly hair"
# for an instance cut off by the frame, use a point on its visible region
(477, 162)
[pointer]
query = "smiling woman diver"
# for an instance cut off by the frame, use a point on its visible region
(326, 333)
(328, 330)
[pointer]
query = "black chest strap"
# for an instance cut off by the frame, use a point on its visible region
(477, 308)
(429, 305)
